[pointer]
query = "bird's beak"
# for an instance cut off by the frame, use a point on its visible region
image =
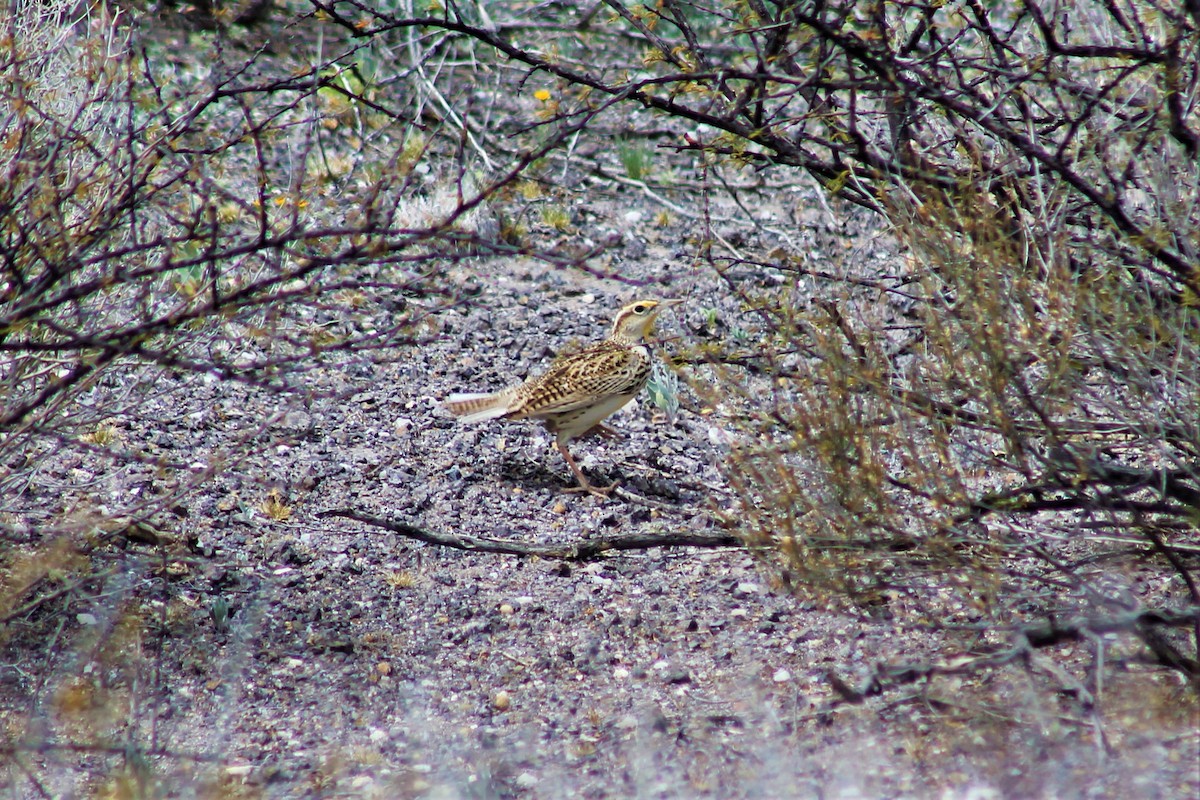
(669, 303)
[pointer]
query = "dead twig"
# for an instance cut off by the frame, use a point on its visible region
(1026, 639)
(585, 550)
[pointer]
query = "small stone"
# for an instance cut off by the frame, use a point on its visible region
(501, 701)
(383, 668)
(677, 675)
(560, 507)
(781, 676)
(526, 781)
(506, 609)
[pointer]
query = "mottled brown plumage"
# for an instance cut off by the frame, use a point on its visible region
(580, 390)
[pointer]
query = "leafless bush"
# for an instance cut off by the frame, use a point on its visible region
(1021, 407)
(170, 221)
(165, 223)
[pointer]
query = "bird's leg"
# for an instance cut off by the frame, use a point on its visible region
(584, 484)
(600, 429)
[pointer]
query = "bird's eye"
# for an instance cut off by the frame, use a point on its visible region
(641, 308)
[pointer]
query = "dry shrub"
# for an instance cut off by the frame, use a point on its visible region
(1004, 429)
(170, 222)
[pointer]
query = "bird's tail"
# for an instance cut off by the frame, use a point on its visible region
(477, 407)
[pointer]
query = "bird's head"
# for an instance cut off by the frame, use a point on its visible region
(634, 322)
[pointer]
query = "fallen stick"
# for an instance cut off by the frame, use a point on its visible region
(583, 550)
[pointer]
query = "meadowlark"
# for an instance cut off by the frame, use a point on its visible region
(580, 390)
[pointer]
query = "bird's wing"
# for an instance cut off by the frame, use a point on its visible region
(580, 380)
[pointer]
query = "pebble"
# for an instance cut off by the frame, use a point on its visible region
(677, 675)
(501, 701)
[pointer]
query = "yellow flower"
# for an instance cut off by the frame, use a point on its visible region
(542, 94)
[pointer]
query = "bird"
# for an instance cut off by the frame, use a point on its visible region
(579, 391)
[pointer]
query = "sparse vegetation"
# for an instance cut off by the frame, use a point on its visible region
(557, 218)
(635, 158)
